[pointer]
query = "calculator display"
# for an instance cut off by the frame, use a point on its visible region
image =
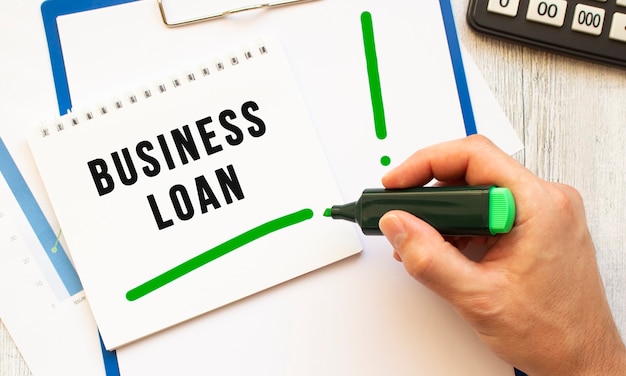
(590, 29)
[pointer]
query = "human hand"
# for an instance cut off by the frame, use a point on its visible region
(536, 297)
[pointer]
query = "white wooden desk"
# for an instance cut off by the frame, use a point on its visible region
(571, 116)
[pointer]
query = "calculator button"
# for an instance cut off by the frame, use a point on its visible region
(504, 7)
(589, 29)
(588, 19)
(618, 27)
(549, 12)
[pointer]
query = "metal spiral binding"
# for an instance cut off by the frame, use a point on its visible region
(146, 93)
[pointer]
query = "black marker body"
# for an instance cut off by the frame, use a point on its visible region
(451, 210)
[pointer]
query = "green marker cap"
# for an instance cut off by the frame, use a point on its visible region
(501, 210)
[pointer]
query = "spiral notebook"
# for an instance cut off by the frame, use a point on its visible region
(191, 193)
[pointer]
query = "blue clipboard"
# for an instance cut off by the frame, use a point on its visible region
(51, 9)
(457, 66)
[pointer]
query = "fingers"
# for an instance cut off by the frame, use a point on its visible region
(541, 278)
(474, 159)
(427, 256)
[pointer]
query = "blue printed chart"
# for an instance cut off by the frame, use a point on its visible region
(40, 292)
(33, 230)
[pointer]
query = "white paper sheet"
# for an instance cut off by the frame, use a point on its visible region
(360, 316)
(363, 316)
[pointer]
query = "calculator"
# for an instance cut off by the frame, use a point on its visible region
(589, 29)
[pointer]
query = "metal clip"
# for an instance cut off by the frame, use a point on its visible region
(225, 13)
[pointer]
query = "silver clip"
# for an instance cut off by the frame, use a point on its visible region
(225, 13)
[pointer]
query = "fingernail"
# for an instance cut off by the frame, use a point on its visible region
(393, 228)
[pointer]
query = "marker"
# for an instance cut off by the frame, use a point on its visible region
(463, 210)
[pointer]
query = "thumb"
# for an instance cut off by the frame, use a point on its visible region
(426, 255)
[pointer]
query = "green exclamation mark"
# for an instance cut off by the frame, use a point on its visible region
(374, 81)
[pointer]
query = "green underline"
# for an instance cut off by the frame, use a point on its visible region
(217, 252)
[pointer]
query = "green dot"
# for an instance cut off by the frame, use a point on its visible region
(385, 160)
